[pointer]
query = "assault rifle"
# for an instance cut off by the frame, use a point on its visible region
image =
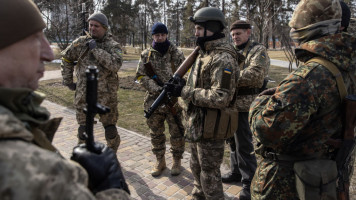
(183, 68)
(93, 107)
(346, 151)
(169, 102)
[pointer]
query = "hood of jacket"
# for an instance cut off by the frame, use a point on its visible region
(339, 49)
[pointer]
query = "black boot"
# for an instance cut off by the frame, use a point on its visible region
(245, 193)
(231, 177)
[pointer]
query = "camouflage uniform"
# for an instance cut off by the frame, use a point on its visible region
(164, 67)
(30, 166)
(107, 56)
(210, 86)
(302, 115)
(253, 71)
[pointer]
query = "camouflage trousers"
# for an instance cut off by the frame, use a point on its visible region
(274, 180)
(158, 138)
(205, 161)
(107, 99)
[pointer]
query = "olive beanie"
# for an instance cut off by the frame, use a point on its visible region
(19, 19)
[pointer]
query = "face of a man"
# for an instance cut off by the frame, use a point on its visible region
(240, 36)
(96, 30)
(22, 63)
(199, 31)
(159, 37)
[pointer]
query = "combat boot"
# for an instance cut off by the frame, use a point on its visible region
(112, 137)
(159, 167)
(81, 135)
(175, 171)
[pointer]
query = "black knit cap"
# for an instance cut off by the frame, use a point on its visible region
(19, 19)
(159, 27)
(240, 24)
(346, 15)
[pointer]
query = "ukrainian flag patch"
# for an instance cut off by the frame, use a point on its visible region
(227, 71)
(263, 55)
(119, 52)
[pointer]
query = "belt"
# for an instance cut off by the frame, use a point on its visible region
(248, 91)
(287, 158)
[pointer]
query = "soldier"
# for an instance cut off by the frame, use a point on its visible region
(156, 66)
(251, 82)
(209, 94)
(99, 49)
(31, 167)
(294, 121)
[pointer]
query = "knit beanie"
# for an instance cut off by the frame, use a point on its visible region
(99, 17)
(159, 27)
(19, 19)
(240, 24)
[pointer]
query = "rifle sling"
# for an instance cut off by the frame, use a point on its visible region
(335, 71)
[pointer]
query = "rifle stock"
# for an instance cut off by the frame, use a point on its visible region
(181, 71)
(93, 107)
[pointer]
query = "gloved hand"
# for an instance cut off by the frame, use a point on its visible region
(173, 90)
(269, 91)
(91, 44)
(72, 86)
(104, 169)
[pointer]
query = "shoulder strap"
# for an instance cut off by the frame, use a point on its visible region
(335, 71)
(149, 56)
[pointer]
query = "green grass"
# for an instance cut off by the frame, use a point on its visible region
(277, 74)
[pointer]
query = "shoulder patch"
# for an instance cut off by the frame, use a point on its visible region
(263, 55)
(118, 52)
(227, 71)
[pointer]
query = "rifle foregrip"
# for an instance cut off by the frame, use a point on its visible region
(187, 63)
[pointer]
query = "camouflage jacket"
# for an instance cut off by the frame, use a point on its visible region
(30, 169)
(211, 84)
(107, 57)
(302, 115)
(252, 73)
(164, 68)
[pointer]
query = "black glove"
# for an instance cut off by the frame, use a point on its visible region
(104, 169)
(174, 88)
(72, 86)
(91, 44)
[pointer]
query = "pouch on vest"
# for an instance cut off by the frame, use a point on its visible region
(219, 124)
(316, 179)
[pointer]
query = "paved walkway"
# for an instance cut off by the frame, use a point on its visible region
(136, 159)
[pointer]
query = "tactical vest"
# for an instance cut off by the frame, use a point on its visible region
(218, 123)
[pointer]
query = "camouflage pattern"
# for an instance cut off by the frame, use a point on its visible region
(206, 158)
(164, 67)
(302, 115)
(312, 11)
(28, 170)
(107, 56)
(208, 87)
(252, 73)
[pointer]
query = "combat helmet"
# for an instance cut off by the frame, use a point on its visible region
(209, 14)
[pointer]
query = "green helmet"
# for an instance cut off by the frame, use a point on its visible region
(209, 14)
